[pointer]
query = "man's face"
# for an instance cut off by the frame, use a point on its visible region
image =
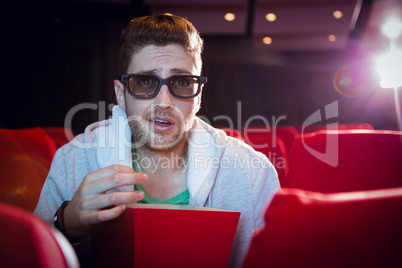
(160, 123)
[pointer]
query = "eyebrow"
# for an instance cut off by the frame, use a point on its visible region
(173, 71)
(179, 71)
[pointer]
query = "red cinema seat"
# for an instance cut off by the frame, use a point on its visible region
(313, 128)
(315, 230)
(59, 135)
(259, 135)
(263, 141)
(27, 241)
(288, 135)
(25, 158)
(366, 126)
(349, 160)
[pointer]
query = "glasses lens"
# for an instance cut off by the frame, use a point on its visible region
(184, 86)
(143, 85)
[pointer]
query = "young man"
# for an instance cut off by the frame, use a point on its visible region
(154, 149)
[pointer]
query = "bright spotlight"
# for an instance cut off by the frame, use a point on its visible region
(392, 28)
(389, 68)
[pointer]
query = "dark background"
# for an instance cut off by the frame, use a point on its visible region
(58, 54)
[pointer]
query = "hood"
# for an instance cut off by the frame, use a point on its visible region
(108, 142)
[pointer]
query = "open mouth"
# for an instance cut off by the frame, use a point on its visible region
(162, 122)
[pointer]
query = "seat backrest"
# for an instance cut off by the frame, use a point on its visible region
(367, 160)
(309, 229)
(59, 135)
(313, 128)
(262, 140)
(27, 241)
(356, 126)
(25, 158)
(288, 135)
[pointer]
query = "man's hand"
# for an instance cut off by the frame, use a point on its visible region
(91, 204)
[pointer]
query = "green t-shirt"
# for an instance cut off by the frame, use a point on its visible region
(180, 199)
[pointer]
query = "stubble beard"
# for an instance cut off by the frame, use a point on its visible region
(143, 135)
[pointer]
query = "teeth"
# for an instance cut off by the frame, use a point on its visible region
(161, 121)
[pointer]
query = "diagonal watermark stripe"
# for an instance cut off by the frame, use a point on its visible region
(331, 155)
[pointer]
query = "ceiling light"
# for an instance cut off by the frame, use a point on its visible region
(267, 40)
(270, 17)
(337, 14)
(230, 17)
(332, 38)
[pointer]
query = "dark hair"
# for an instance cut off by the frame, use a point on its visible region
(159, 30)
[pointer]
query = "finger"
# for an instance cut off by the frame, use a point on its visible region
(111, 200)
(103, 215)
(107, 171)
(113, 181)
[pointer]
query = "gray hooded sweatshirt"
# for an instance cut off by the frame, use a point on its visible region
(222, 172)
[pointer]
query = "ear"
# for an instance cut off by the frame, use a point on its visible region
(119, 91)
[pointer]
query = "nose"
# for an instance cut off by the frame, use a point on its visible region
(164, 99)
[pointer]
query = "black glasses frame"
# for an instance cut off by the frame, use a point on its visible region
(163, 81)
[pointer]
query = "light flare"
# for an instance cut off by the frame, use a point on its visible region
(389, 69)
(392, 28)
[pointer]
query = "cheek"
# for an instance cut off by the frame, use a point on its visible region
(187, 108)
(190, 110)
(134, 107)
